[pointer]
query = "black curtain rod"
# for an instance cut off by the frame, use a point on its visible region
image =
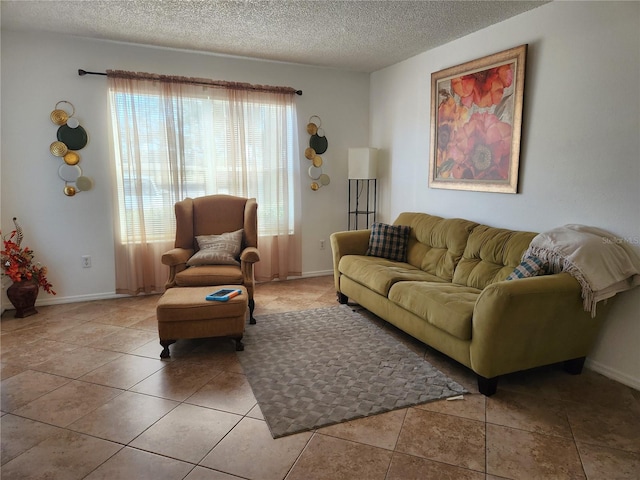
(82, 73)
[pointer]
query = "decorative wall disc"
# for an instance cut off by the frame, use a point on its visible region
(71, 158)
(58, 149)
(313, 125)
(324, 179)
(73, 138)
(317, 161)
(318, 143)
(309, 153)
(84, 183)
(69, 173)
(315, 172)
(59, 117)
(314, 186)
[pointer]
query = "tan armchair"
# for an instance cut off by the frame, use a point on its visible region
(214, 215)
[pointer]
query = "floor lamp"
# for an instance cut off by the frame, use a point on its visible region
(363, 171)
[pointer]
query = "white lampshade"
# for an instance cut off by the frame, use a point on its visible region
(363, 163)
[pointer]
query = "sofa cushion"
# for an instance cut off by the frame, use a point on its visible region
(435, 244)
(445, 306)
(379, 274)
(490, 256)
(389, 241)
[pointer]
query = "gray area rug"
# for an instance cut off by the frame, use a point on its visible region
(313, 368)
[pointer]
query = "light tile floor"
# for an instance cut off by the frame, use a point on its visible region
(85, 395)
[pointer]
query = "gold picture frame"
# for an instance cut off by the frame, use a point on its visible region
(476, 122)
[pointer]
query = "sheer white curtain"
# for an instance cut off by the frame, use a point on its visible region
(173, 138)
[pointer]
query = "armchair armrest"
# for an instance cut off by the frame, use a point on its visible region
(250, 255)
(176, 259)
(176, 256)
(529, 322)
(354, 242)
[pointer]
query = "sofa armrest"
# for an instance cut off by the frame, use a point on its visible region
(354, 242)
(530, 322)
(176, 259)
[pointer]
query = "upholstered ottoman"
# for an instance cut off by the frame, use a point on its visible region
(183, 312)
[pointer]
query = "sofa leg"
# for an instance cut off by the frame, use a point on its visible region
(165, 348)
(342, 298)
(574, 366)
(252, 307)
(487, 386)
(239, 344)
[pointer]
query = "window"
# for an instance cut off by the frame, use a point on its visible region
(173, 138)
(191, 149)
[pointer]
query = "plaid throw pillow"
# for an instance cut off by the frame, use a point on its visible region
(529, 267)
(389, 241)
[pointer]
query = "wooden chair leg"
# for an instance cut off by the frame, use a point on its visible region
(252, 306)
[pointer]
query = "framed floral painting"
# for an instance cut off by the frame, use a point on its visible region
(476, 119)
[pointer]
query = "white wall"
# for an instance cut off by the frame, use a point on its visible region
(580, 159)
(40, 70)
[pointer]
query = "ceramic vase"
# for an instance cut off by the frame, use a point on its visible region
(22, 296)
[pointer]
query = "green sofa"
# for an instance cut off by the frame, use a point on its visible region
(451, 294)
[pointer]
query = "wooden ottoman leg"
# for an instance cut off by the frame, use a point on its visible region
(239, 344)
(165, 348)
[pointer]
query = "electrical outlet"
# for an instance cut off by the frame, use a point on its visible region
(86, 261)
(321, 244)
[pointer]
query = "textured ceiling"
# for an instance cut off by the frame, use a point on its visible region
(355, 35)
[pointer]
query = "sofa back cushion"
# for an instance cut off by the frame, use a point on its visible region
(435, 244)
(490, 256)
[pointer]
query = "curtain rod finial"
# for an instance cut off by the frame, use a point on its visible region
(82, 72)
(298, 92)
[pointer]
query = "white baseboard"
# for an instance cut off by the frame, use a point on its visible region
(613, 374)
(51, 300)
(44, 299)
(319, 273)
